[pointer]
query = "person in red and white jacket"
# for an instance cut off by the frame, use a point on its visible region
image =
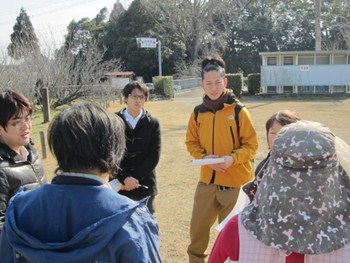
(300, 212)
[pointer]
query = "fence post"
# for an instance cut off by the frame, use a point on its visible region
(43, 144)
(46, 107)
(121, 98)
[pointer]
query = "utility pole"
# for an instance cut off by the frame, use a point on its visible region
(159, 58)
(318, 25)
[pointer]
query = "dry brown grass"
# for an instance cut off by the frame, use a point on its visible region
(177, 178)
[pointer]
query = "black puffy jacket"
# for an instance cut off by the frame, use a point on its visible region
(15, 172)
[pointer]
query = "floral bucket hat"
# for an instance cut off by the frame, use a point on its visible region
(303, 202)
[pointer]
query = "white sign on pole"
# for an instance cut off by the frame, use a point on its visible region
(146, 42)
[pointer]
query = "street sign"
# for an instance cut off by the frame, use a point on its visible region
(146, 42)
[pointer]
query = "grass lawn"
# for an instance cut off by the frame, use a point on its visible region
(177, 178)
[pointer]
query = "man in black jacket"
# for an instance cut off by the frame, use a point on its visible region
(143, 144)
(20, 166)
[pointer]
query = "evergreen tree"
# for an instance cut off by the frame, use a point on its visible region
(121, 41)
(86, 31)
(117, 10)
(23, 39)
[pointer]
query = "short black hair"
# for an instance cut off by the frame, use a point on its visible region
(86, 136)
(135, 85)
(12, 104)
(215, 63)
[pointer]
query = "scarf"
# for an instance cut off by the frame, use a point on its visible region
(217, 104)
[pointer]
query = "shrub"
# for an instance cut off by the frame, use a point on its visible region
(254, 83)
(163, 85)
(235, 82)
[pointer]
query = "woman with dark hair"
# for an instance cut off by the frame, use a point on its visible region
(273, 125)
(20, 165)
(78, 217)
(213, 131)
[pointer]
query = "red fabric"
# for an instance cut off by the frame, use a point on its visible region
(227, 245)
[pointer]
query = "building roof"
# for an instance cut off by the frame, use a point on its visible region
(306, 52)
(120, 74)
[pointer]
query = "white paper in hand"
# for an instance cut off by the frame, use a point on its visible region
(208, 161)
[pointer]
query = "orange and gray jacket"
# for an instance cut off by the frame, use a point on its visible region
(216, 133)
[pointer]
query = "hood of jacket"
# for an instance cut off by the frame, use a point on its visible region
(80, 237)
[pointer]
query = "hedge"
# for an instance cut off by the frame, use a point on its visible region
(235, 82)
(163, 85)
(254, 83)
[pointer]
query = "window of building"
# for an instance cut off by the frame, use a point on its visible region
(271, 89)
(288, 89)
(305, 60)
(340, 59)
(288, 60)
(306, 89)
(322, 89)
(272, 61)
(339, 89)
(322, 60)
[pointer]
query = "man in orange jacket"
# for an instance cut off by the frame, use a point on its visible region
(212, 132)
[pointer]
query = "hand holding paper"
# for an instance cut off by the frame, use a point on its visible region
(208, 161)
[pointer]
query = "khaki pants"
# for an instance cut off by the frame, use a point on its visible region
(209, 204)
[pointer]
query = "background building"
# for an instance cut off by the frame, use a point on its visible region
(305, 72)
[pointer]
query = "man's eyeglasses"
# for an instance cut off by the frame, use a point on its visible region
(135, 97)
(20, 122)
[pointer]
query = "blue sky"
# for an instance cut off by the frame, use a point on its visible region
(50, 18)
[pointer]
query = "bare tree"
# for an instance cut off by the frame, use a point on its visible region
(198, 23)
(345, 22)
(68, 76)
(188, 70)
(336, 24)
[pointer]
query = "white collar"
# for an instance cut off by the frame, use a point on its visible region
(130, 119)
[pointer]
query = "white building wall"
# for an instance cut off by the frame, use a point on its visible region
(306, 72)
(305, 75)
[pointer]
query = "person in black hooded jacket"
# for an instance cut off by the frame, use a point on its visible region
(20, 165)
(143, 146)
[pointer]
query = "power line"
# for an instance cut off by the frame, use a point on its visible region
(48, 11)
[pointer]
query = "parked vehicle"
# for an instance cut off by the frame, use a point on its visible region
(176, 87)
(150, 85)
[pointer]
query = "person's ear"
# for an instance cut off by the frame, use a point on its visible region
(225, 82)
